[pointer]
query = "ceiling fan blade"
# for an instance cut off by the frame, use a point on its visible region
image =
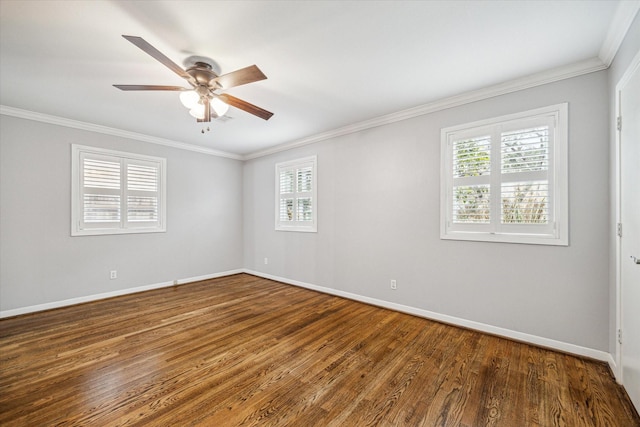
(159, 56)
(245, 106)
(240, 77)
(149, 87)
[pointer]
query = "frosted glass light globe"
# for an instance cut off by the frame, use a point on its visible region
(189, 99)
(197, 111)
(219, 107)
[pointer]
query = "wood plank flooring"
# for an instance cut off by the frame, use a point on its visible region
(242, 351)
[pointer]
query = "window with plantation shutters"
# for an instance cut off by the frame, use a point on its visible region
(505, 179)
(115, 192)
(296, 204)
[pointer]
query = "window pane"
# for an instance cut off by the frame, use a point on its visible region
(525, 150)
(142, 178)
(305, 209)
(286, 181)
(295, 195)
(101, 208)
(525, 203)
(101, 174)
(471, 157)
(116, 192)
(142, 209)
(471, 204)
(286, 209)
(304, 179)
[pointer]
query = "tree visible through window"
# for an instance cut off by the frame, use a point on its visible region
(525, 150)
(472, 158)
(505, 179)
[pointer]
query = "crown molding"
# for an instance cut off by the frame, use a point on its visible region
(75, 124)
(566, 72)
(620, 24)
(550, 76)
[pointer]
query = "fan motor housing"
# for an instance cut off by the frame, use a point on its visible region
(203, 73)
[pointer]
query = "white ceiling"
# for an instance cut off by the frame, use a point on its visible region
(329, 63)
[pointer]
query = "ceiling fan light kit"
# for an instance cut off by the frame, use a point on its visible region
(204, 99)
(196, 105)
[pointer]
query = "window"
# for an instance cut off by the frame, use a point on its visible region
(296, 200)
(505, 179)
(115, 192)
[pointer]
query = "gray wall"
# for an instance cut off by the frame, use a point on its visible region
(378, 219)
(40, 263)
(629, 48)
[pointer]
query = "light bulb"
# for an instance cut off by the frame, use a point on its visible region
(189, 98)
(219, 107)
(197, 111)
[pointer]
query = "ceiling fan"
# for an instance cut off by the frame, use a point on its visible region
(203, 98)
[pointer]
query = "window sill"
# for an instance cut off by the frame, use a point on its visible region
(298, 229)
(106, 232)
(527, 239)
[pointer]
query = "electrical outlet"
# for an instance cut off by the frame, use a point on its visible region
(113, 274)
(266, 261)
(394, 285)
(175, 283)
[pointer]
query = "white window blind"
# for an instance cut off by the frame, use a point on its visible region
(471, 173)
(296, 200)
(505, 179)
(115, 192)
(142, 193)
(101, 190)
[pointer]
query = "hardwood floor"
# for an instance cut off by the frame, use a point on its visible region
(242, 350)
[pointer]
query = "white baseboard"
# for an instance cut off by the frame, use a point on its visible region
(482, 327)
(615, 368)
(456, 321)
(95, 297)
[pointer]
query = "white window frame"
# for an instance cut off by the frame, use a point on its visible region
(296, 225)
(556, 232)
(80, 228)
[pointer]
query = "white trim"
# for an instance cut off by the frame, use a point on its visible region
(96, 297)
(620, 24)
(75, 124)
(574, 70)
(613, 366)
(635, 63)
(452, 320)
